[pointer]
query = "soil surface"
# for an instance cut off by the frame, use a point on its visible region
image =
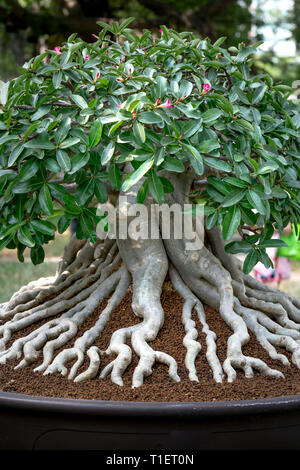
(158, 386)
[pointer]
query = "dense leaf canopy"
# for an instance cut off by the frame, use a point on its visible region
(79, 112)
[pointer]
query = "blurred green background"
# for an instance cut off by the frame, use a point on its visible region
(28, 27)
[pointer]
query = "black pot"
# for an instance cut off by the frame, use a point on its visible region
(28, 422)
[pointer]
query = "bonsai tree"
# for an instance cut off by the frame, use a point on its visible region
(147, 120)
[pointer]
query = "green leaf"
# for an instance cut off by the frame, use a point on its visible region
(37, 255)
(156, 187)
(149, 117)
(250, 261)
(142, 192)
(173, 164)
(207, 146)
(244, 53)
(134, 177)
(139, 132)
(211, 115)
(69, 142)
(233, 197)
(195, 154)
(231, 222)
(28, 170)
(15, 154)
(85, 228)
(45, 200)
(218, 164)
(11, 229)
(272, 243)
(43, 226)
(63, 160)
(256, 202)
(63, 129)
(56, 79)
(79, 101)
(100, 191)
(41, 112)
(238, 247)
(24, 236)
(78, 161)
(84, 191)
(63, 223)
(95, 134)
(114, 176)
(107, 153)
(245, 124)
(42, 142)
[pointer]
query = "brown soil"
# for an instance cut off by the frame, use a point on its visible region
(158, 386)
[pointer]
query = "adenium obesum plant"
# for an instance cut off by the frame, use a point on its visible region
(168, 119)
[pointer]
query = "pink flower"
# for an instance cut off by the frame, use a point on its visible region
(87, 57)
(57, 50)
(94, 36)
(97, 75)
(134, 117)
(206, 87)
(181, 135)
(161, 31)
(119, 106)
(167, 104)
(220, 55)
(154, 39)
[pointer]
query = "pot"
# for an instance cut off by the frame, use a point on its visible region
(42, 423)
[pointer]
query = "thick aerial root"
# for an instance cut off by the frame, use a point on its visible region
(118, 346)
(89, 337)
(147, 262)
(193, 347)
(36, 293)
(76, 309)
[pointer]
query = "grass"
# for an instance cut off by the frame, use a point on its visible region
(14, 275)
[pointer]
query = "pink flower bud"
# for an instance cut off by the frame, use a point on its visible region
(134, 117)
(57, 50)
(119, 106)
(161, 31)
(206, 87)
(87, 57)
(181, 135)
(97, 75)
(154, 39)
(94, 36)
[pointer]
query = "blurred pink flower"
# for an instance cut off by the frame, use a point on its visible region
(161, 31)
(166, 104)
(87, 57)
(57, 50)
(206, 87)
